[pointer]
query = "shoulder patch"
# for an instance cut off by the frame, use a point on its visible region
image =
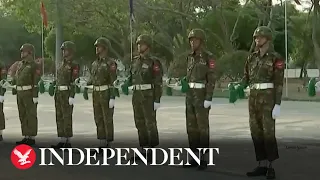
(212, 63)
(113, 66)
(156, 66)
(75, 69)
(279, 64)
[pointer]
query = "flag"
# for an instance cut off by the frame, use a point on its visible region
(131, 11)
(298, 2)
(44, 15)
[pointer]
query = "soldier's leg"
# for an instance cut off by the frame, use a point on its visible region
(67, 118)
(22, 117)
(2, 121)
(31, 116)
(139, 120)
(59, 114)
(98, 118)
(151, 121)
(256, 128)
(107, 118)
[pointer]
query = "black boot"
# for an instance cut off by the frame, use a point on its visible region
(258, 171)
(1, 138)
(192, 163)
(203, 165)
(271, 174)
(58, 146)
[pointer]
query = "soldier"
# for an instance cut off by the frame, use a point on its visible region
(264, 73)
(3, 76)
(26, 80)
(146, 78)
(64, 94)
(103, 74)
(201, 80)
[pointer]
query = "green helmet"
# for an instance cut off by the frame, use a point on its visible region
(68, 45)
(263, 31)
(146, 39)
(102, 41)
(197, 33)
(27, 47)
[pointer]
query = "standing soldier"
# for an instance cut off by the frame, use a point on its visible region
(26, 80)
(201, 81)
(3, 76)
(64, 94)
(146, 78)
(264, 73)
(103, 74)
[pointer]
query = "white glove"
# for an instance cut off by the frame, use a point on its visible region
(1, 99)
(35, 100)
(71, 101)
(156, 106)
(318, 87)
(276, 111)
(111, 103)
(206, 104)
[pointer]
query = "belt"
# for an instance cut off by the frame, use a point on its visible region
(142, 87)
(23, 88)
(262, 86)
(197, 85)
(101, 88)
(63, 88)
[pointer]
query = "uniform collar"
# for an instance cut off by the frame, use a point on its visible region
(27, 59)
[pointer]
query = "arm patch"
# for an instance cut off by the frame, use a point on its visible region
(212, 64)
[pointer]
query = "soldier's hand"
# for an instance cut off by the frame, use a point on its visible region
(1, 99)
(206, 104)
(317, 85)
(276, 111)
(71, 101)
(156, 106)
(111, 103)
(35, 100)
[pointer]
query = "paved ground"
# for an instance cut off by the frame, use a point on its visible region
(297, 131)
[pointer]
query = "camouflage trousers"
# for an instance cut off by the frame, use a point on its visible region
(63, 114)
(145, 118)
(103, 115)
(2, 118)
(27, 113)
(262, 125)
(197, 119)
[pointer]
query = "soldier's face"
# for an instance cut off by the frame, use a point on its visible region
(24, 54)
(66, 53)
(194, 43)
(142, 47)
(99, 49)
(260, 40)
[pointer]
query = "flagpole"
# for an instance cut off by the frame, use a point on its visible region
(286, 44)
(131, 40)
(42, 46)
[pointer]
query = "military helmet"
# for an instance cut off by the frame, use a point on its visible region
(102, 41)
(144, 39)
(68, 45)
(197, 33)
(263, 31)
(27, 47)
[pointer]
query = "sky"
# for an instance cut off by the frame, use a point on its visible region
(304, 3)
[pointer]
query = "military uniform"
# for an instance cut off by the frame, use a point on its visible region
(146, 79)
(201, 80)
(26, 80)
(264, 75)
(3, 76)
(103, 74)
(67, 73)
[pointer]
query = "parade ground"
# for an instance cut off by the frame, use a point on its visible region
(297, 131)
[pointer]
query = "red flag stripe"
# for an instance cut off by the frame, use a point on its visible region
(44, 14)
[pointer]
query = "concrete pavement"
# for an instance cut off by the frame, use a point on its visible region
(297, 131)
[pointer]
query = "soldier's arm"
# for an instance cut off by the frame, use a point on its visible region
(75, 74)
(89, 81)
(113, 77)
(245, 79)
(211, 78)
(36, 78)
(279, 66)
(3, 76)
(157, 80)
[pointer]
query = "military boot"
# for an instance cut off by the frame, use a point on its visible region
(1, 138)
(203, 162)
(26, 141)
(271, 174)
(258, 171)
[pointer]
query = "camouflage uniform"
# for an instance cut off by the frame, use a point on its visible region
(264, 75)
(26, 80)
(146, 78)
(68, 71)
(103, 74)
(3, 76)
(201, 80)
